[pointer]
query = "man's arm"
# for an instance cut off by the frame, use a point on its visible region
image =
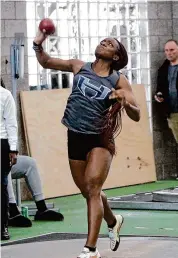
(159, 95)
(158, 86)
(11, 122)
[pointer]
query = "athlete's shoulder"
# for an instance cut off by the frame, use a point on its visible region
(77, 65)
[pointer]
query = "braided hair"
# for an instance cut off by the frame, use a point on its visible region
(112, 121)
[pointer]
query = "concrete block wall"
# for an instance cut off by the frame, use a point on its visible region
(163, 25)
(175, 19)
(13, 20)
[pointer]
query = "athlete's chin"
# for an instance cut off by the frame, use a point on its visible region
(100, 55)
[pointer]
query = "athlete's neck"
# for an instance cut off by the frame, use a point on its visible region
(101, 67)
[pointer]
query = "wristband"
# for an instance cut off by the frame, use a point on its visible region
(37, 48)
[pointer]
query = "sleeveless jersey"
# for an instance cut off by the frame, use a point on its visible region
(89, 101)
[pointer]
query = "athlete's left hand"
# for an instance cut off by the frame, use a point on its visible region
(119, 95)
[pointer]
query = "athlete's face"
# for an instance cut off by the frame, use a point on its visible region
(107, 49)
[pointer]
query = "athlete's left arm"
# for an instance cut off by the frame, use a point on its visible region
(124, 94)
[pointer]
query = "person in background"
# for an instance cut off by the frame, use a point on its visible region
(8, 134)
(26, 167)
(167, 86)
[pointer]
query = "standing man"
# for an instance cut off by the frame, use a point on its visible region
(167, 85)
(8, 134)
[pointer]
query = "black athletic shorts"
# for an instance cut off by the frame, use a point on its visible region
(79, 144)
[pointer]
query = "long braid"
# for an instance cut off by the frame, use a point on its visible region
(112, 121)
(112, 127)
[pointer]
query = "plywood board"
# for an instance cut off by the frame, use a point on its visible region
(47, 143)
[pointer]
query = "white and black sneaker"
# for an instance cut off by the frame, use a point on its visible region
(86, 253)
(114, 233)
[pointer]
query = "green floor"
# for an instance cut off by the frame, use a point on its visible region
(148, 223)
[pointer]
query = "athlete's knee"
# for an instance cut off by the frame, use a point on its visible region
(91, 190)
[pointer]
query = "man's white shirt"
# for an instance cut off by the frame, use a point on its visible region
(8, 123)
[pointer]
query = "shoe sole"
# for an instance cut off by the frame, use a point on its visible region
(118, 242)
(93, 256)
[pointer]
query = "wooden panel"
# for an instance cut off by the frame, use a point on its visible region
(47, 143)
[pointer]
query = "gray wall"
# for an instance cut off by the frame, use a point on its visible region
(163, 25)
(175, 19)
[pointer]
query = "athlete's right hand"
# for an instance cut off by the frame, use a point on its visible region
(40, 37)
(158, 97)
